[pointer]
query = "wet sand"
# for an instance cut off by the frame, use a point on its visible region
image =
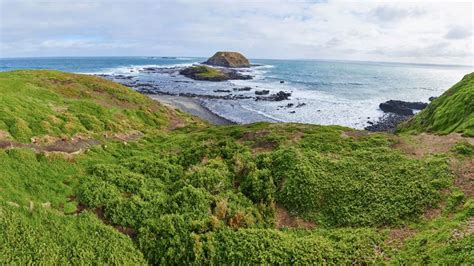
(190, 106)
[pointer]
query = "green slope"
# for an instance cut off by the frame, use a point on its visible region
(451, 112)
(261, 193)
(53, 104)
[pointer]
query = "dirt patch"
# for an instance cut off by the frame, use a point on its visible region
(131, 136)
(285, 220)
(355, 134)
(248, 136)
(297, 136)
(72, 146)
(4, 135)
(470, 226)
(264, 146)
(69, 146)
(432, 213)
(424, 144)
(175, 121)
(464, 172)
(132, 233)
(397, 236)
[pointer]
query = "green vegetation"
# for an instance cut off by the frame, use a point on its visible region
(204, 73)
(56, 104)
(451, 112)
(207, 72)
(261, 193)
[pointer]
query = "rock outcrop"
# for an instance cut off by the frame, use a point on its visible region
(228, 59)
(211, 73)
(401, 107)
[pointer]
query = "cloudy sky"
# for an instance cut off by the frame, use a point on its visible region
(414, 31)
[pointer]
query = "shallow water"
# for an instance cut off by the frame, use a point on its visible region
(334, 92)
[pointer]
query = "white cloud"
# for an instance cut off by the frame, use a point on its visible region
(419, 31)
(459, 32)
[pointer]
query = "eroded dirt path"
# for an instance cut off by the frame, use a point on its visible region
(424, 144)
(70, 146)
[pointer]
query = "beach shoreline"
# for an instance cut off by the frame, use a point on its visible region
(190, 106)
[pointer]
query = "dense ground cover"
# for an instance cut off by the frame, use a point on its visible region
(260, 193)
(451, 112)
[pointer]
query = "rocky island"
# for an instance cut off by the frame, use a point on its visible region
(211, 73)
(228, 59)
(223, 61)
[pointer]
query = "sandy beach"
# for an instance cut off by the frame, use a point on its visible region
(190, 106)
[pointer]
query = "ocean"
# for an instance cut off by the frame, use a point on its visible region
(343, 93)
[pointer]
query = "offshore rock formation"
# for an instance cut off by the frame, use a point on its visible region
(228, 59)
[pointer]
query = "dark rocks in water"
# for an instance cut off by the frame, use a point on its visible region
(387, 123)
(401, 107)
(148, 91)
(300, 105)
(292, 112)
(212, 74)
(242, 89)
(228, 59)
(103, 75)
(122, 77)
(290, 105)
(280, 96)
(232, 74)
(262, 92)
(223, 97)
(143, 85)
(150, 69)
(432, 98)
(182, 81)
(221, 90)
(282, 81)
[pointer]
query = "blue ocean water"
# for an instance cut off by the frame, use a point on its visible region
(333, 92)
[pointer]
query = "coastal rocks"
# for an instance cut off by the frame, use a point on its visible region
(228, 59)
(280, 96)
(243, 89)
(401, 107)
(221, 90)
(387, 123)
(211, 74)
(262, 92)
(432, 98)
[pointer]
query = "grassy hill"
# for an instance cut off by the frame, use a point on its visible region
(451, 112)
(200, 194)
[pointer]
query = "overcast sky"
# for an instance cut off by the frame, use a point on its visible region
(415, 31)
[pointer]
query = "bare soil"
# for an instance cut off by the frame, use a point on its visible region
(285, 220)
(425, 144)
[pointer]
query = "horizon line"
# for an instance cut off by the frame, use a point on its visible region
(287, 59)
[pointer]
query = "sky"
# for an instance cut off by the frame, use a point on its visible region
(438, 32)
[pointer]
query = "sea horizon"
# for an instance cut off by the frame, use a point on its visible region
(250, 58)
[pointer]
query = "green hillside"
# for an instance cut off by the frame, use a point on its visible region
(451, 112)
(183, 192)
